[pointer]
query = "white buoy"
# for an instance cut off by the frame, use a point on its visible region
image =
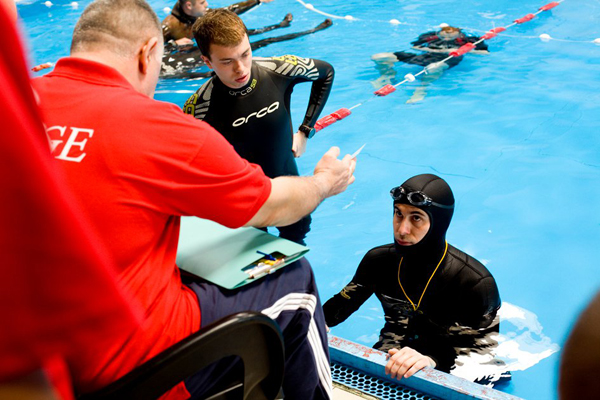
(167, 10)
(409, 77)
(597, 41)
(310, 6)
(443, 25)
(394, 22)
(544, 37)
(74, 5)
(349, 17)
(48, 4)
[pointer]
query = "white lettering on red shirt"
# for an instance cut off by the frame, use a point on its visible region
(72, 150)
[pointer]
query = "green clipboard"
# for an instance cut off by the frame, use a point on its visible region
(230, 258)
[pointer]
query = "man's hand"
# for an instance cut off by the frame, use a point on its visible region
(184, 42)
(293, 197)
(299, 144)
(406, 362)
(333, 175)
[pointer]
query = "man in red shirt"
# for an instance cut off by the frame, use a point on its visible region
(137, 165)
(58, 291)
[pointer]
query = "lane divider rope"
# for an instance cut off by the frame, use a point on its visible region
(464, 49)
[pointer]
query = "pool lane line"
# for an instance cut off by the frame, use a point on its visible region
(464, 49)
(543, 37)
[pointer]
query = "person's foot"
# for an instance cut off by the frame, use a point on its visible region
(325, 24)
(286, 20)
(416, 97)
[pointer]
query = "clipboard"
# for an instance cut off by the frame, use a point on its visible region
(232, 258)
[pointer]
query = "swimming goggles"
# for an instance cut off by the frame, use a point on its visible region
(418, 199)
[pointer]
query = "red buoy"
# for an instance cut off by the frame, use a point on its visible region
(331, 118)
(493, 32)
(384, 91)
(526, 18)
(549, 6)
(465, 48)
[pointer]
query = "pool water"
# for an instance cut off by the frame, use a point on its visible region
(514, 133)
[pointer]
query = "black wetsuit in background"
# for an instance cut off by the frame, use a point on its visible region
(184, 61)
(462, 293)
(256, 119)
(431, 40)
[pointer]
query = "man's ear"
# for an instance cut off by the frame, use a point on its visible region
(207, 62)
(187, 6)
(147, 51)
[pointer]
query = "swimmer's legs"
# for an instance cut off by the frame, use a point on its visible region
(384, 63)
(265, 42)
(283, 24)
(296, 232)
(427, 79)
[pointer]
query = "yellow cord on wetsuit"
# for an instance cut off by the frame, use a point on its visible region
(426, 286)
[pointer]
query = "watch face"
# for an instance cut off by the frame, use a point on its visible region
(308, 131)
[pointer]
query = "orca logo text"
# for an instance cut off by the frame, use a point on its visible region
(259, 114)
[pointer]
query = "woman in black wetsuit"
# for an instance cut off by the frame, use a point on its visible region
(436, 298)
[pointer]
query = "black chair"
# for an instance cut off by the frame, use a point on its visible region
(252, 336)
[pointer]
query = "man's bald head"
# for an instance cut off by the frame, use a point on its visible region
(120, 26)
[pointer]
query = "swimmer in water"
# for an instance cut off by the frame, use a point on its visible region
(435, 297)
(177, 26)
(181, 55)
(434, 47)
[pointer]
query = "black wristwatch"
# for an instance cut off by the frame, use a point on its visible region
(307, 130)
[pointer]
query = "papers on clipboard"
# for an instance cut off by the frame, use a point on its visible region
(232, 258)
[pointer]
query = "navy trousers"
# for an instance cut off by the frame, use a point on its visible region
(290, 297)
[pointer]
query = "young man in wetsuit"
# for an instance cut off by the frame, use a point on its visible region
(435, 47)
(248, 101)
(435, 297)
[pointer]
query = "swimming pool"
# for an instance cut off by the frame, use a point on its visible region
(513, 132)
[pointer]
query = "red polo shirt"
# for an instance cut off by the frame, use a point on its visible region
(136, 165)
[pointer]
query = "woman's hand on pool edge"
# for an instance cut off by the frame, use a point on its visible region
(405, 362)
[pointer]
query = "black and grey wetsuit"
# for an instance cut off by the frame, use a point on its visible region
(256, 119)
(462, 293)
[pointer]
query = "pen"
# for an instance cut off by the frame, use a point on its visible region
(267, 256)
(260, 270)
(357, 152)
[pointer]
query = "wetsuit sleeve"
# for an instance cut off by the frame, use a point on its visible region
(353, 295)
(243, 6)
(199, 103)
(294, 70)
(319, 92)
(484, 299)
(166, 30)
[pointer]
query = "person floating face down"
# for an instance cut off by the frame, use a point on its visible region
(436, 298)
(434, 47)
